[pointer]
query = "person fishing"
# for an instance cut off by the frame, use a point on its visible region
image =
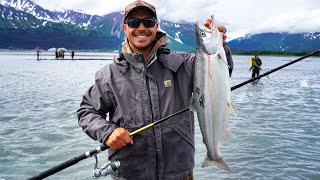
(256, 66)
(145, 83)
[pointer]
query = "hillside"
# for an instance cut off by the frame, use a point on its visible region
(26, 25)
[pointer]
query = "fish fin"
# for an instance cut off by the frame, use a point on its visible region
(220, 162)
(228, 135)
(191, 105)
(231, 108)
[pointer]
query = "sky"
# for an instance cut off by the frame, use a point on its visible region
(239, 16)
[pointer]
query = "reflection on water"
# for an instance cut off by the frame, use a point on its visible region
(275, 132)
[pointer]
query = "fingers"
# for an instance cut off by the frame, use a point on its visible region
(119, 138)
(208, 23)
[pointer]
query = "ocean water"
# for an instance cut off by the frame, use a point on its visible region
(276, 130)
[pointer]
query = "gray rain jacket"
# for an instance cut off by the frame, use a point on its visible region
(135, 94)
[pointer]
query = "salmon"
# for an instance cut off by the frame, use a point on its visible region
(211, 98)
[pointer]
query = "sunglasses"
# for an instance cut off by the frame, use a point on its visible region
(135, 23)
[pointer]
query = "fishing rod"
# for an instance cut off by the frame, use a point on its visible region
(273, 70)
(112, 166)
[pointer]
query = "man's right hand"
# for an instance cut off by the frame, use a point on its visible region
(118, 138)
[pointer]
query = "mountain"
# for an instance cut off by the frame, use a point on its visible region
(288, 42)
(73, 17)
(24, 24)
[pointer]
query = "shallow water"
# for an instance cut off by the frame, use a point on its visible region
(275, 132)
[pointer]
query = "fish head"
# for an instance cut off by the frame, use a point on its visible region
(208, 39)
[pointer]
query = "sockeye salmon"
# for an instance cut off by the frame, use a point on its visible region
(211, 93)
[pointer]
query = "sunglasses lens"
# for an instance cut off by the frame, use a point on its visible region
(149, 22)
(135, 23)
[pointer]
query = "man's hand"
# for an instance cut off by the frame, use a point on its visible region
(118, 138)
(208, 23)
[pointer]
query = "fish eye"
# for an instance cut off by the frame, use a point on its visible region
(202, 33)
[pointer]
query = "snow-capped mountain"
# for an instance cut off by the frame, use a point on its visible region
(24, 24)
(73, 17)
(25, 17)
(287, 42)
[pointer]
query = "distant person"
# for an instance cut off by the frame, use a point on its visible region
(256, 66)
(227, 50)
(38, 53)
(57, 54)
(60, 53)
(72, 55)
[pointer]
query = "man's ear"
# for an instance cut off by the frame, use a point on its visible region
(124, 27)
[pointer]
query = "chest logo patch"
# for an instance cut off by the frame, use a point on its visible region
(167, 83)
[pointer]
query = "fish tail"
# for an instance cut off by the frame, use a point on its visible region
(220, 162)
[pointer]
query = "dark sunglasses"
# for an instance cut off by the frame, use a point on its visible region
(147, 22)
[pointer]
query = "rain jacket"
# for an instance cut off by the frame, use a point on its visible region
(256, 63)
(134, 94)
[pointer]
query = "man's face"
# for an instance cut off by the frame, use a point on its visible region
(140, 38)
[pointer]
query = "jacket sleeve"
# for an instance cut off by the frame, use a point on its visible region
(93, 111)
(229, 59)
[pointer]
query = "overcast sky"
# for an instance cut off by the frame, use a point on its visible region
(240, 17)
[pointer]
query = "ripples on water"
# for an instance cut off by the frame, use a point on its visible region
(275, 132)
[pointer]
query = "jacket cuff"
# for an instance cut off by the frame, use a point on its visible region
(106, 133)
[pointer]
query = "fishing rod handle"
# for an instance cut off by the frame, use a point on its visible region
(70, 162)
(58, 168)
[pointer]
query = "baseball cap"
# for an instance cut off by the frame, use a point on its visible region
(139, 4)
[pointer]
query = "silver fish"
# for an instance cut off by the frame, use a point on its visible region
(211, 93)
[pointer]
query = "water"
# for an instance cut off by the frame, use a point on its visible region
(275, 133)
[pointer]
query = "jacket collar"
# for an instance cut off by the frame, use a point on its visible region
(171, 61)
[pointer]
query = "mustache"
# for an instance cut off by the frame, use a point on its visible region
(141, 33)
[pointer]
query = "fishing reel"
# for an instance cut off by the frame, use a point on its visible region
(106, 169)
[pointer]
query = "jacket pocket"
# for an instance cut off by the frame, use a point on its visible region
(185, 131)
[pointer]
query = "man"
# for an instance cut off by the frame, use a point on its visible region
(72, 55)
(256, 66)
(145, 83)
(227, 50)
(38, 53)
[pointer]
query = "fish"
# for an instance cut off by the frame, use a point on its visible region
(211, 99)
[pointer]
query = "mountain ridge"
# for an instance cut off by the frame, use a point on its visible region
(24, 24)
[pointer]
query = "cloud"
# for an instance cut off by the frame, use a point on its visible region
(240, 17)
